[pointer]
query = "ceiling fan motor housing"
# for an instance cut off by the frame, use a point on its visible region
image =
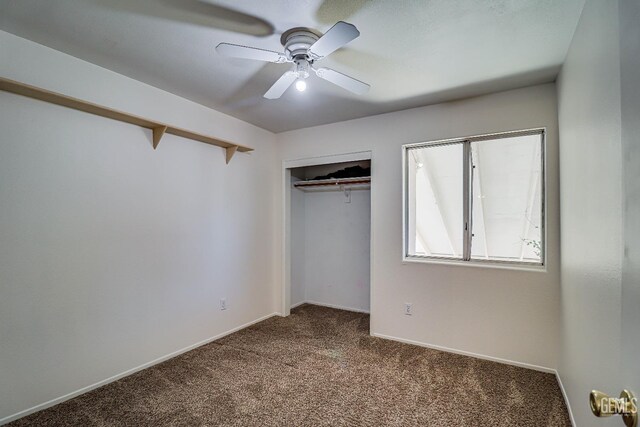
(297, 42)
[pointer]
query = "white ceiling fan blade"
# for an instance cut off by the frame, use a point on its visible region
(238, 51)
(337, 36)
(342, 80)
(281, 85)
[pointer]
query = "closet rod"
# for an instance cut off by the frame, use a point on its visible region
(333, 182)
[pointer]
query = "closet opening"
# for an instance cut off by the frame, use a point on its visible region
(328, 235)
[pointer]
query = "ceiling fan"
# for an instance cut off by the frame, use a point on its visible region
(303, 47)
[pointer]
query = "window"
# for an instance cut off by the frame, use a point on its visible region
(478, 199)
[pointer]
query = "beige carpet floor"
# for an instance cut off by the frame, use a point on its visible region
(317, 367)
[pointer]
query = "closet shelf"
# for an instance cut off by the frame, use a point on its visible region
(333, 182)
(158, 129)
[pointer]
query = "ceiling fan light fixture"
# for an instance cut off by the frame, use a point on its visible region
(301, 85)
(302, 68)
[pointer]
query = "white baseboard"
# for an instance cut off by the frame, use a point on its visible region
(88, 388)
(468, 353)
(339, 307)
(566, 399)
(297, 304)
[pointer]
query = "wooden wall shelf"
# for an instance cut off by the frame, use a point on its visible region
(158, 129)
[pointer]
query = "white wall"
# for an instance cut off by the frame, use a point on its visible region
(600, 258)
(629, 13)
(114, 254)
(335, 247)
(589, 114)
(505, 314)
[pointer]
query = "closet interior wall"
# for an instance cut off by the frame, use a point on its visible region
(330, 241)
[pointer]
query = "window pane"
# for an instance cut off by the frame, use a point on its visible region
(434, 192)
(507, 190)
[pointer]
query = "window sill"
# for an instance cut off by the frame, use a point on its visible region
(477, 264)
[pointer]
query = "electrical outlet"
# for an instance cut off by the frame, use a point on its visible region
(223, 303)
(407, 308)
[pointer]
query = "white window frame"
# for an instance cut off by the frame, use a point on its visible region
(468, 207)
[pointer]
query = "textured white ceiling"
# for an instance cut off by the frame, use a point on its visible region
(411, 52)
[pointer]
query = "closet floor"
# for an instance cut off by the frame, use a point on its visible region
(316, 367)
